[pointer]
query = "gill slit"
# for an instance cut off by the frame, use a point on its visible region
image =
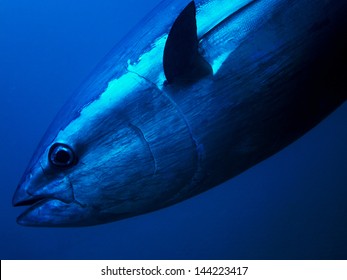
(198, 148)
(175, 106)
(144, 140)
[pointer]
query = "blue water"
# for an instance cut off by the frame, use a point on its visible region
(291, 206)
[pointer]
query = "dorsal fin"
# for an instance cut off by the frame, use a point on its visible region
(182, 61)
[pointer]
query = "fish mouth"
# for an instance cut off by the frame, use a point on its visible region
(24, 198)
(28, 202)
(31, 202)
(50, 210)
(31, 215)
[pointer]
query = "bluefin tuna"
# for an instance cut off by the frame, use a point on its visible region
(197, 93)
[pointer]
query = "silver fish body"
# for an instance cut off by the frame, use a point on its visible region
(198, 93)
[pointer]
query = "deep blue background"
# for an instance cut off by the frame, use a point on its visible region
(291, 206)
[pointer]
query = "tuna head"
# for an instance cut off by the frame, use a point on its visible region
(112, 161)
(127, 150)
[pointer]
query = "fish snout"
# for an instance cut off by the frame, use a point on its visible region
(50, 201)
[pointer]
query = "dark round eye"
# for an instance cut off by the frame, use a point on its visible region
(61, 155)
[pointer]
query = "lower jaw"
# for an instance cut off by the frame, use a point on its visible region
(53, 213)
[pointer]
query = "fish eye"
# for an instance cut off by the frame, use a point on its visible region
(61, 155)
